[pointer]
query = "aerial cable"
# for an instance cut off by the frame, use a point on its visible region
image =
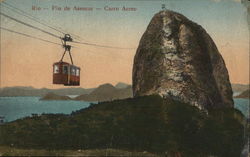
(32, 18)
(97, 45)
(30, 36)
(26, 24)
(58, 29)
(84, 43)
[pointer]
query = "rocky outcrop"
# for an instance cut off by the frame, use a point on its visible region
(176, 58)
(52, 96)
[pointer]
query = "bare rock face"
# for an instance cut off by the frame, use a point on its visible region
(176, 58)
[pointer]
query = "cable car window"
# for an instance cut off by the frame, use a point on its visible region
(77, 72)
(73, 71)
(65, 69)
(56, 69)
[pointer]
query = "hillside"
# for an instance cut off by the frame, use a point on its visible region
(147, 123)
(106, 92)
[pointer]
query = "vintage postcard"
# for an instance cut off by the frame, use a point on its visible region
(124, 78)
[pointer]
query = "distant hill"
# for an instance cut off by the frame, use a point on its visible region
(121, 85)
(107, 92)
(244, 94)
(240, 87)
(30, 91)
(52, 96)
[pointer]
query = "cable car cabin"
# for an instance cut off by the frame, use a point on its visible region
(66, 74)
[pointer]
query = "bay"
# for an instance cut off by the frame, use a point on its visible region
(242, 105)
(13, 108)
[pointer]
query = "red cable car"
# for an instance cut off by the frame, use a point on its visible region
(63, 72)
(66, 74)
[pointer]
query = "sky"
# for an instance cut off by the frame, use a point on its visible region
(28, 62)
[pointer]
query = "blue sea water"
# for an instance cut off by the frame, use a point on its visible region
(13, 108)
(242, 105)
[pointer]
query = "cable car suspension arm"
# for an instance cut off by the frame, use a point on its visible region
(66, 47)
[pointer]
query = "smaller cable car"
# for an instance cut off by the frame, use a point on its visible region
(63, 72)
(66, 74)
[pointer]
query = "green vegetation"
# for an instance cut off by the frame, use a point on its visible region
(146, 123)
(9, 151)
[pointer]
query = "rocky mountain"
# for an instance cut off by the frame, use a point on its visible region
(177, 58)
(106, 92)
(244, 94)
(52, 96)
